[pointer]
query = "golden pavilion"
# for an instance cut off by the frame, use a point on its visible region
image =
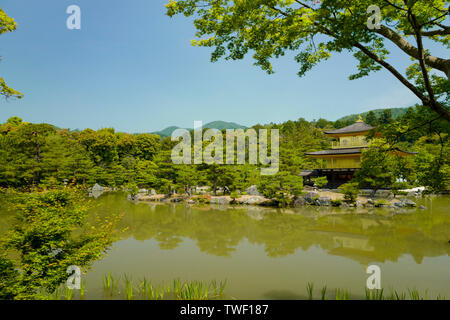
(344, 158)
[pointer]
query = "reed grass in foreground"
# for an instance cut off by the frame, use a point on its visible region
(126, 288)
(374, 294)
(143, 289)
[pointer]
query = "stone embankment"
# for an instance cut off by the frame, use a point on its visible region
(311, 197)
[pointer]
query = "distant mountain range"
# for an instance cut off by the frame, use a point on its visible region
(396, 113)
(220, 125)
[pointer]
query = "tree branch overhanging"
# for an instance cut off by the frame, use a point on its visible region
(417, 30)
(431, 33)
(402, 43)
(417, 53)
(437, 107)
(432, 61)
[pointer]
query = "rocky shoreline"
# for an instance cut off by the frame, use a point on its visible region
(311, 197)
(251, 196)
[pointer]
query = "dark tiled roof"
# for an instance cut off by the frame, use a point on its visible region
(356, 127)
(334, 151)
(306, 173)
(347, 151)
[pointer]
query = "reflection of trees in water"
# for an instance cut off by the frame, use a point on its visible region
(218, 232)
(361, 237)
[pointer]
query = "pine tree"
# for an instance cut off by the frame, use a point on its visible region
(386, 117)
(371, 118)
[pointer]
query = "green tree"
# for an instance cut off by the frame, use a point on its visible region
(7, 24)
(15, 121)
(433, 162)
(281, 187)
(386, 117)
(65, 159)
(126, 144)
(166, 173)
(234, 195)
(320, 181)
(218, 175)
(323, 123)
(376, 166)
(133, 189)
(371, 118)
(21, 153)
(423, 131)
(147, 145)
(245, 176)
(187, 177)
(46, 241)
(350, 191)
(145, 173)
(315, 29)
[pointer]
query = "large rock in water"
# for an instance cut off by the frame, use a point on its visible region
(152, 192)
(97, 187)
(409, 203)
(310, 197)
(385, 194)
(299, 201)
(219, 200)
(132, 198)
(252, 191)
(323, 201)
(253, 200)
(143, 191)
(399, 204)
(97, 191)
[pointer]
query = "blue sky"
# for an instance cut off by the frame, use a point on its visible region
(133, 68)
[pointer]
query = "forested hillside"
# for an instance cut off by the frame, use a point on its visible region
(41, 154)
(378, 113)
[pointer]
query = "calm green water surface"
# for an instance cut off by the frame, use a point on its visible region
(267, 253)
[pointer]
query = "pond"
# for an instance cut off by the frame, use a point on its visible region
(268, 253)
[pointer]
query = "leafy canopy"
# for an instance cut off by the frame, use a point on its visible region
(51, 234)
(7, 24)
(314, 29)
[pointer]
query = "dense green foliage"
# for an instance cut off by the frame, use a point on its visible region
(314, 29)
(41, 155)
(7, 24)
(418, 130)
(320, 181)
(50, 235)
(371, 117)
(350, 191)
(376, 167)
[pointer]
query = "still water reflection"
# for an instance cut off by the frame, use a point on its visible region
(273, 253)
(267, 253)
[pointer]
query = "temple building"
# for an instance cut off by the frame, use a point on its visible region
(340, 163)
